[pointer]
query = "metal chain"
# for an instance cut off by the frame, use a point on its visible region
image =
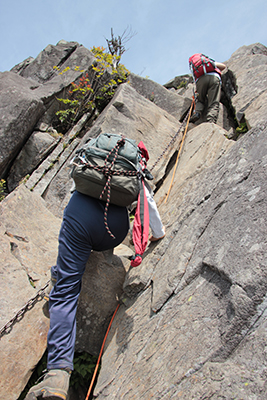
(28, 306)
(171, 142)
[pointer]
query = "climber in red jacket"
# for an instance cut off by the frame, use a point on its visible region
(207, 77)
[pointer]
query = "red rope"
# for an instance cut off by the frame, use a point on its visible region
(100, 354)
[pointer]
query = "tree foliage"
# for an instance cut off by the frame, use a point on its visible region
(94, 89)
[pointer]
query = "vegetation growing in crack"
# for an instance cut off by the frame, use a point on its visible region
(242, 128)
(93, 90)
(183, 84)
(2, 189)
(84, 366)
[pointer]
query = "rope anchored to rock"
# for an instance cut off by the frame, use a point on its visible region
(181, 147)
(100, 354)
(173, 139)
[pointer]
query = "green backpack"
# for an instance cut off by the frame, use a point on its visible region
(107, 168)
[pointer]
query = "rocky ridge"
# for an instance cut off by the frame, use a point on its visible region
(193, 319)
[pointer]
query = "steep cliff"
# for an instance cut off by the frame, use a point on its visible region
(192, 319)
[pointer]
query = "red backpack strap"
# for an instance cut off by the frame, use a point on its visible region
(195, 64)
(204, 62)
(207, 60)
(140, 227)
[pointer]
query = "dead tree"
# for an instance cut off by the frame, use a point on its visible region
(116, 44)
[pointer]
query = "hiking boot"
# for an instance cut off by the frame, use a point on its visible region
(54, 386)
(194, 117)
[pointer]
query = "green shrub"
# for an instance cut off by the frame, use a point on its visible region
(84, 365)
(242, 128)
(94, 89)
(2, 189)
(182, 85)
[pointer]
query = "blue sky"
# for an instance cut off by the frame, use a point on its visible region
(168, 32)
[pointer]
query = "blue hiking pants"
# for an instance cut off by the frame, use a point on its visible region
(82, 230)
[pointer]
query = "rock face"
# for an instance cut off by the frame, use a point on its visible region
(173, 103)
(37, 147)
(19, 112)
(197, 305)
(28, 245)
(192, 319)
(249, 66)
(28, 95)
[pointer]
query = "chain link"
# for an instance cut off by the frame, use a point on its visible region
(172, 141)
(28, 306)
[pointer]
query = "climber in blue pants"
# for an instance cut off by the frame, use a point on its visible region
(82, 231)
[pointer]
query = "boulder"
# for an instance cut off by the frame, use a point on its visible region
(41, 69)
(55, 67)
(35, 150)
(173, 103)
(71, 67)
(28, 245)
(52, 72)
(249, 66)
(179, 82)
(22, 65)
(20, 110)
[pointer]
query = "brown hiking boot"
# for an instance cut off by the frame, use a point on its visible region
(54, 386)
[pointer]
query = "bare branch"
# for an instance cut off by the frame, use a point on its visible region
(116, 44)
